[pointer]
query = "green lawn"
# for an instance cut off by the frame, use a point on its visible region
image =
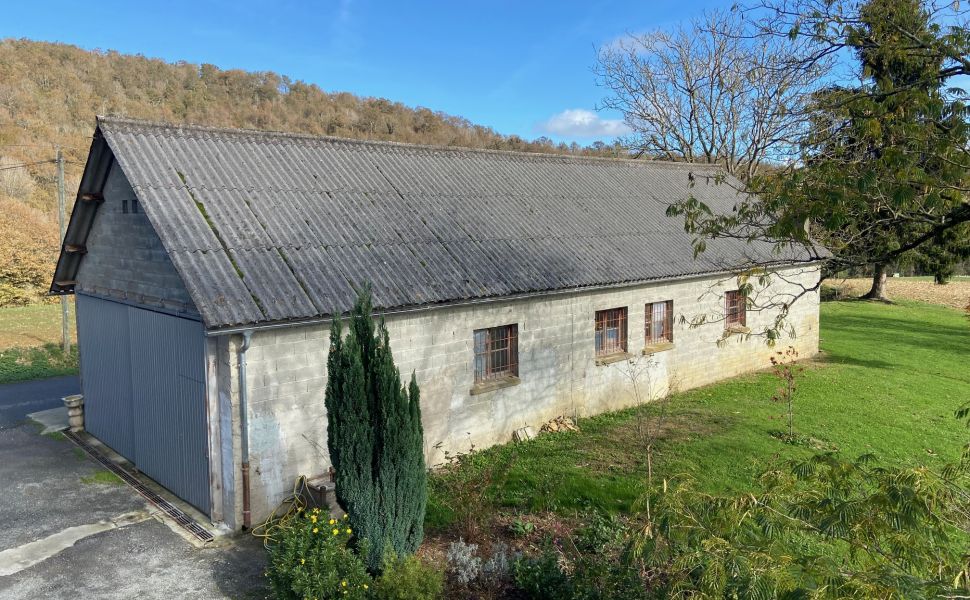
(30, 338)
(49, 360)
(888, 382)
(33, 325)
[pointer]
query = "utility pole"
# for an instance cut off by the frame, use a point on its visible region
(62, 215)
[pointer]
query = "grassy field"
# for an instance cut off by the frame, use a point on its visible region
(38, 362)
(30, 338)
(955, 294)
(888, 382)
(34, 325)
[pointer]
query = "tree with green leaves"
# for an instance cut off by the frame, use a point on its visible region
(375, 438)
(941, 258)
(883, 171)
(822, 527)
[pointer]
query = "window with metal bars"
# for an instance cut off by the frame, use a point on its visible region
(735, 309)
(496, 353)
(610, 331)
(659, 322)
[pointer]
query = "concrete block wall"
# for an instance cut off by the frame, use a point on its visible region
(557, 368)
(125, 258)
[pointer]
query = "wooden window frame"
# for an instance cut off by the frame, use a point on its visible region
(606, 320)
(735, 309)
(497, 354)
(649, 330)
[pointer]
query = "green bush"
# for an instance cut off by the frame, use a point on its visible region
(823, 527)
(590, 564)
(540, 578)
(310, 557)
(375, 437)
(408, 578)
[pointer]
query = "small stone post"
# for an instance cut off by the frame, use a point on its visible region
(75, 411)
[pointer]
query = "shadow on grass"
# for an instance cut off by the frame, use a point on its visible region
(855, 361)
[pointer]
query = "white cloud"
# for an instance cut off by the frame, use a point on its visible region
(623, 43)
(582, 123)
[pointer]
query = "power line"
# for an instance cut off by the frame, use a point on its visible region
(39, 162)
(49, 145)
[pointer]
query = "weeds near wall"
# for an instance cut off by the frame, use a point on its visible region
(460, 488)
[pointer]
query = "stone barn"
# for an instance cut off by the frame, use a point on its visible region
(207, 265)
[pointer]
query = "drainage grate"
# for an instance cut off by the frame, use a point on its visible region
(167, 507)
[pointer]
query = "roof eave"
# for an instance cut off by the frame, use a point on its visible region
(287, 323)
(90, 196)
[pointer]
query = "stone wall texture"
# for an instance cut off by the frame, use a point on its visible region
(126, 260)
(557, 368)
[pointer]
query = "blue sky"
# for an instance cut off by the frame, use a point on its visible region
(514, 66)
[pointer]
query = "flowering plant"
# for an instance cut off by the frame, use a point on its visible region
(310, 558)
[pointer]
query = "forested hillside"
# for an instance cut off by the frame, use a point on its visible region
(50, 93)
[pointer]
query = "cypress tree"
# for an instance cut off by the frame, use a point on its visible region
(375, 438)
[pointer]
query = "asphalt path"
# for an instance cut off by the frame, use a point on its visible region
(67, 534)
(17, 400)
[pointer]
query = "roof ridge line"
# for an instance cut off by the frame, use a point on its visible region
(110, 119)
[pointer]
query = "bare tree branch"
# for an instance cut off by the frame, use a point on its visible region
(710, 92)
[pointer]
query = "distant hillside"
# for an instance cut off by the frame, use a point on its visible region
(50, 93)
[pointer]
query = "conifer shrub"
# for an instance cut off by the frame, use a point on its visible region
(375, 438)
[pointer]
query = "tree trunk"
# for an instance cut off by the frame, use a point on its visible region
(878, 290)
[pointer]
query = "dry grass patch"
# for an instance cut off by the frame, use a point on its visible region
(955, 294)
(33, 325)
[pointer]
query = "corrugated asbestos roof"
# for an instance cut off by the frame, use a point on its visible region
(273, 227)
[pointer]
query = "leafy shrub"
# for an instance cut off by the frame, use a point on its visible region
(540, 578)
(310, 557)
(28, 251)
(589, 565)
(408, 578)
(11, 295)
(821, 528)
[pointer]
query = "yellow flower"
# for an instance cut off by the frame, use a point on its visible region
(365, 586)
(313, 518)
(316, 510)
(349, 531)
(316, 529)
(345, 515)
(302, 561)
(343, 583)
(332, 521)
(336, 531)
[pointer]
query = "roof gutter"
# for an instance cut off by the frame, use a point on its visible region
(474, 301)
